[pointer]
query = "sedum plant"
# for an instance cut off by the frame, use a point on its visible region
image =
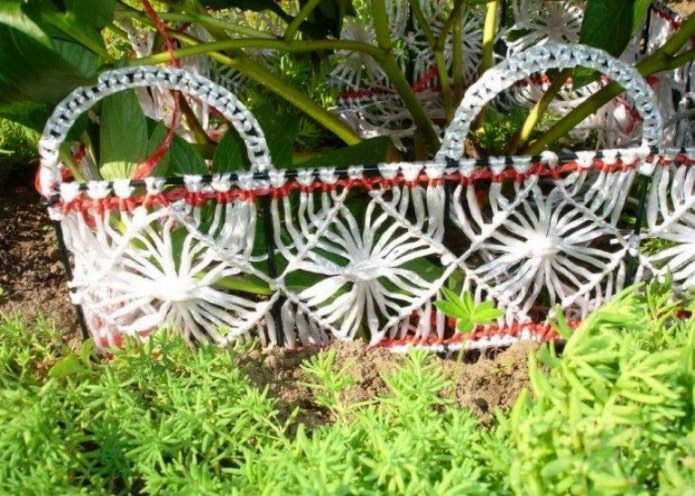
(612, 413)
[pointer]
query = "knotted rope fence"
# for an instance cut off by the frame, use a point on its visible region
(305, 256)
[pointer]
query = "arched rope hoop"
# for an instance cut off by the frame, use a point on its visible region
(84, 98)
(540, 59)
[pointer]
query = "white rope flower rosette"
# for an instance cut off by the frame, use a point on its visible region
(557, 238)
(142, 261)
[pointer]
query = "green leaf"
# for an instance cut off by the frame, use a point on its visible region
(465, 325)
(86, 352)
(451, 309)
(230, 154)
(556, 467)
(70, 365)
(252, 5)
(369, 152)
(280, 133)
(30, 114)
(157, 137)
(185, 159)
(81, 21)
(610, 24)
(31, 69)
(123, 136)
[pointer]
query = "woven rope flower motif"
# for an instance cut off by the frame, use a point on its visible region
(539, 22)
(366, 268)
(671, 218)
(152, 272)
(538, 249)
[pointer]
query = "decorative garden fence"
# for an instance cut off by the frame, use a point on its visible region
(304, 256)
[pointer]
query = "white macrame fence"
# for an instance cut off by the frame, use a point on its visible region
(369, 105)
(342, 253)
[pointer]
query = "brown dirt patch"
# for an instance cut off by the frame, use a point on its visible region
(484, 382)
(31, 276)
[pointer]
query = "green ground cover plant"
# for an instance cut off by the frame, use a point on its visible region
(611, 414)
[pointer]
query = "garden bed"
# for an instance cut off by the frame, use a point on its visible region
(33, 281)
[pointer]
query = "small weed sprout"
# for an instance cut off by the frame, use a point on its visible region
(329, 384)
(466, 312)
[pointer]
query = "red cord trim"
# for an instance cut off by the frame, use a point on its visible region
(144, 169)
(198, 198)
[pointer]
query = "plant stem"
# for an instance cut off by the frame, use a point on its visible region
(487, 57)
(204, 20)
(275, 84)
(198, 48)
(439, 60)
(297, 98)
(457, 63)
(381, 55)
(522, 136)
(196, 127)
(292, 29)
(380, 17)
(657, 62)
(395, 75)
(489, 31)
(452, 22)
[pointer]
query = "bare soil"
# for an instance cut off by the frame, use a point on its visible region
(31, 276)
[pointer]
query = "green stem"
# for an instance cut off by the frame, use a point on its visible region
(198, 48)
(381, 25)
(384, 58)
(534, 115)
(657, 62)
(206, 21)
(679, 38)
(439, 60)
(398, 80)
(457, 63)
(489, 31)
(292, 29)
(450, 24)
(300, 100)
(487, 57)
(423, 23)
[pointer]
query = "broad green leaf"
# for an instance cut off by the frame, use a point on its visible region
(453, 298)
(450, 309)
(157, 137)
(252, 5)
(369, 152)
(123, 135)
(31, 69)
(230, 154)
(185, 159)
(327, 18)
(30, 114)
(610, 24)
(81, 21)
(93, 14)
(465, 325)
(280, 133)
